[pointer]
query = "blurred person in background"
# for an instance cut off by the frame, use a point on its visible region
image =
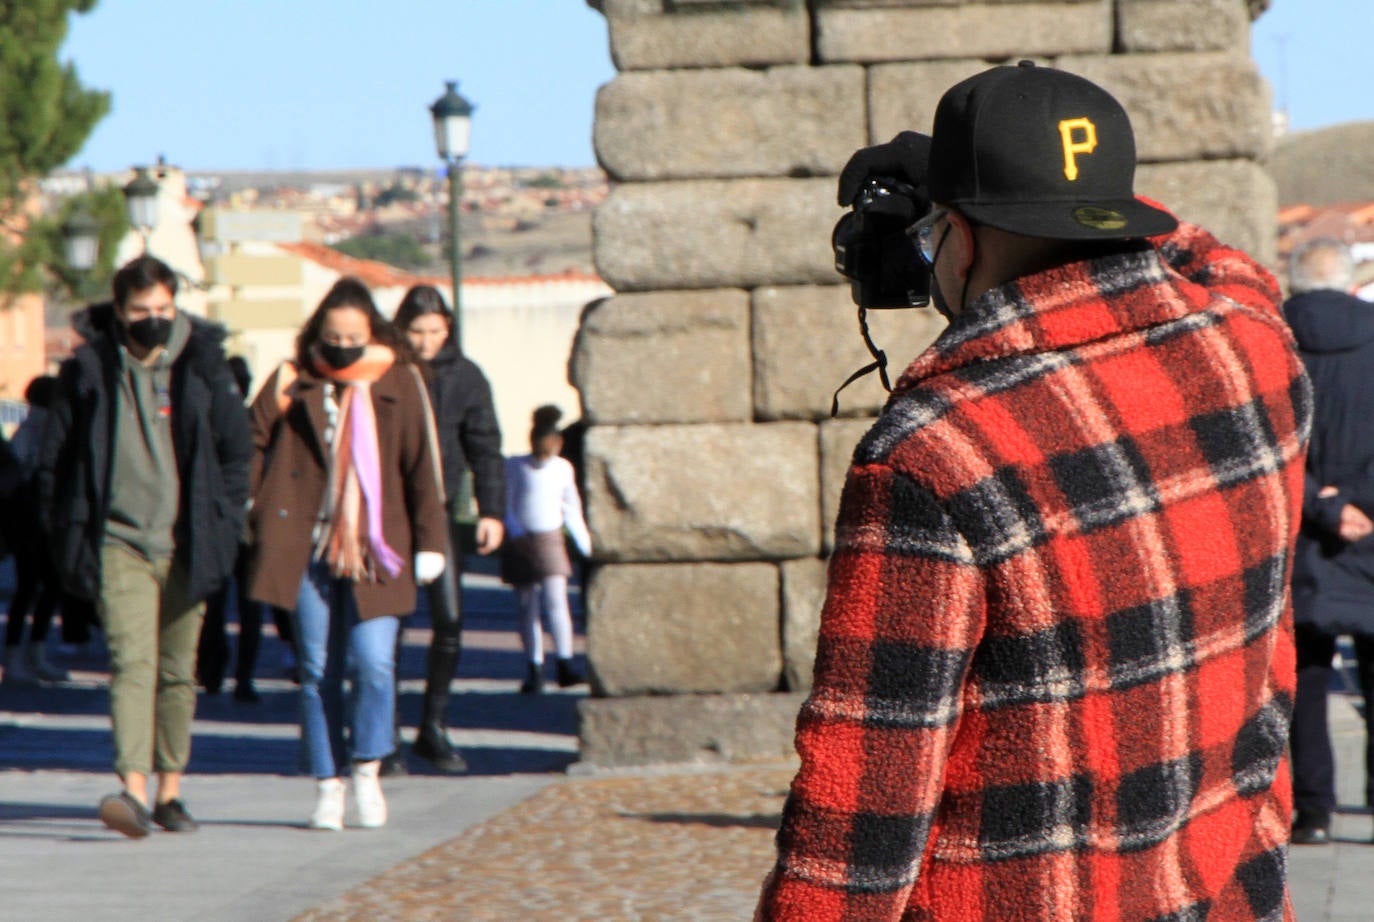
(470, 446)
(37, 589)
(1333, 567)
(542, 503)
(142, 483)
(213, 657)
(347, 518)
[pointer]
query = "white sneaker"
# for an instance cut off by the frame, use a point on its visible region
(329, 805)
(367, 788)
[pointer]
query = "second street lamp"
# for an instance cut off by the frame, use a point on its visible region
(452, 116)
(141, 197)
(81, 240)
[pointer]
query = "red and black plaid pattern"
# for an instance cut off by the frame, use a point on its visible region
(1055, 666)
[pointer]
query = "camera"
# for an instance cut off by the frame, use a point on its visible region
(873, 249)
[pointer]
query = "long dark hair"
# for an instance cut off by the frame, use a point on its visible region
(419, 301)
(351, 292)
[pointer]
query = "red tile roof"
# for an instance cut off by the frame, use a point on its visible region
(371, 272)
(1352, 222)
(377, 274)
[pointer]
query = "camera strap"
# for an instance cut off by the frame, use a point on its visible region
(879, 364)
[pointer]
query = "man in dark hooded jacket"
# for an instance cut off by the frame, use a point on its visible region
(1333, 570)
(142, 482)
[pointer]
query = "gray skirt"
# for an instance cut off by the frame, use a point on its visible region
(533, 557)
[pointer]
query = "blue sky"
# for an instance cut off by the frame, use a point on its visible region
(1315, 54)
(320, 84)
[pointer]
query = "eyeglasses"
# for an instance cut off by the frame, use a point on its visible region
(924, 232)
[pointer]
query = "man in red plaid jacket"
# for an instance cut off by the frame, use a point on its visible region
(1055, 666)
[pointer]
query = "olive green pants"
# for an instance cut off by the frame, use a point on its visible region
(152, 632)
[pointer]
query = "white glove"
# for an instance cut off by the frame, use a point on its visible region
(429, 566)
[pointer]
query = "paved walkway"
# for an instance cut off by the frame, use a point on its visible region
(694, 846)
(519, 838)
(253, 859)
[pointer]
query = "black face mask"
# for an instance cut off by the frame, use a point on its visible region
(340, 357)
(150, 332)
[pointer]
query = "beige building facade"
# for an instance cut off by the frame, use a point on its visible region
(21, 344)
(265, 282)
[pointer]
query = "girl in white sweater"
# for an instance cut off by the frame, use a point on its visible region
(542, 501)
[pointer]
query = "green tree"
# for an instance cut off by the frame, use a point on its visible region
(45, 117)
(400, 250)
(546, 181)
(394, 193)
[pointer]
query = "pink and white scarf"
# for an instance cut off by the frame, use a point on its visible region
(353, 543)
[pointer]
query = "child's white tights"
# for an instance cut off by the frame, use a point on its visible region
(550, 594)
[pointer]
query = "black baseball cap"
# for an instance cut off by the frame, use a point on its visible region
(1039, 152)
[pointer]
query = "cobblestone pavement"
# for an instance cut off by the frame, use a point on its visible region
(694, 846)
(688, 846)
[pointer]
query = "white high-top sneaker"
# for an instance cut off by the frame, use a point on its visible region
(367, 788)
(329, 805)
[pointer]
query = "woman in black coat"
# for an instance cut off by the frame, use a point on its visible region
(1333, 567)
(469, 441)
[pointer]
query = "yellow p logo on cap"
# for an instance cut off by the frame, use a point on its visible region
(1073, 147)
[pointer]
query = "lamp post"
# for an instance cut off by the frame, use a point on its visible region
(81, 240)
(452, 116)
(140, 196)
(81, 231)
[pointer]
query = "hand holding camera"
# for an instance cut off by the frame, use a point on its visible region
(885, 188)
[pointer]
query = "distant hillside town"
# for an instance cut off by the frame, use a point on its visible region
(404, 211)
(257, 251)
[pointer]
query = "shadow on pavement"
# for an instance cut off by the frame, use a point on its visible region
(27, 811)
(497, 730)
(719, 820)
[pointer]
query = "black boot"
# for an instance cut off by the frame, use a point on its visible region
(446, 619)
(434, 747)
(432, 742)
(1311, 827)
(534, 680)
(567, 675)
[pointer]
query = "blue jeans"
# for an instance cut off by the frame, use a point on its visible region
(331, 641)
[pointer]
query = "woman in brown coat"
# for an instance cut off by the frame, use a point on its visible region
(347, 504)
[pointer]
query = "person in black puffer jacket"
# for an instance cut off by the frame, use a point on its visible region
(469, 440)
(1333, 567)
(142, 482)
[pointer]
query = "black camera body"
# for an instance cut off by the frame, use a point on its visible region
(873, 249)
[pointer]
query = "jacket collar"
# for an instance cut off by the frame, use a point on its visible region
(448, 354)
(1070, 306)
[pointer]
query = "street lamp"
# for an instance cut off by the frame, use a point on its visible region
(81, 240)
(452, 116)
(140, 196)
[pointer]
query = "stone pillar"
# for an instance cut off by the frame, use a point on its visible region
(713, 469)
